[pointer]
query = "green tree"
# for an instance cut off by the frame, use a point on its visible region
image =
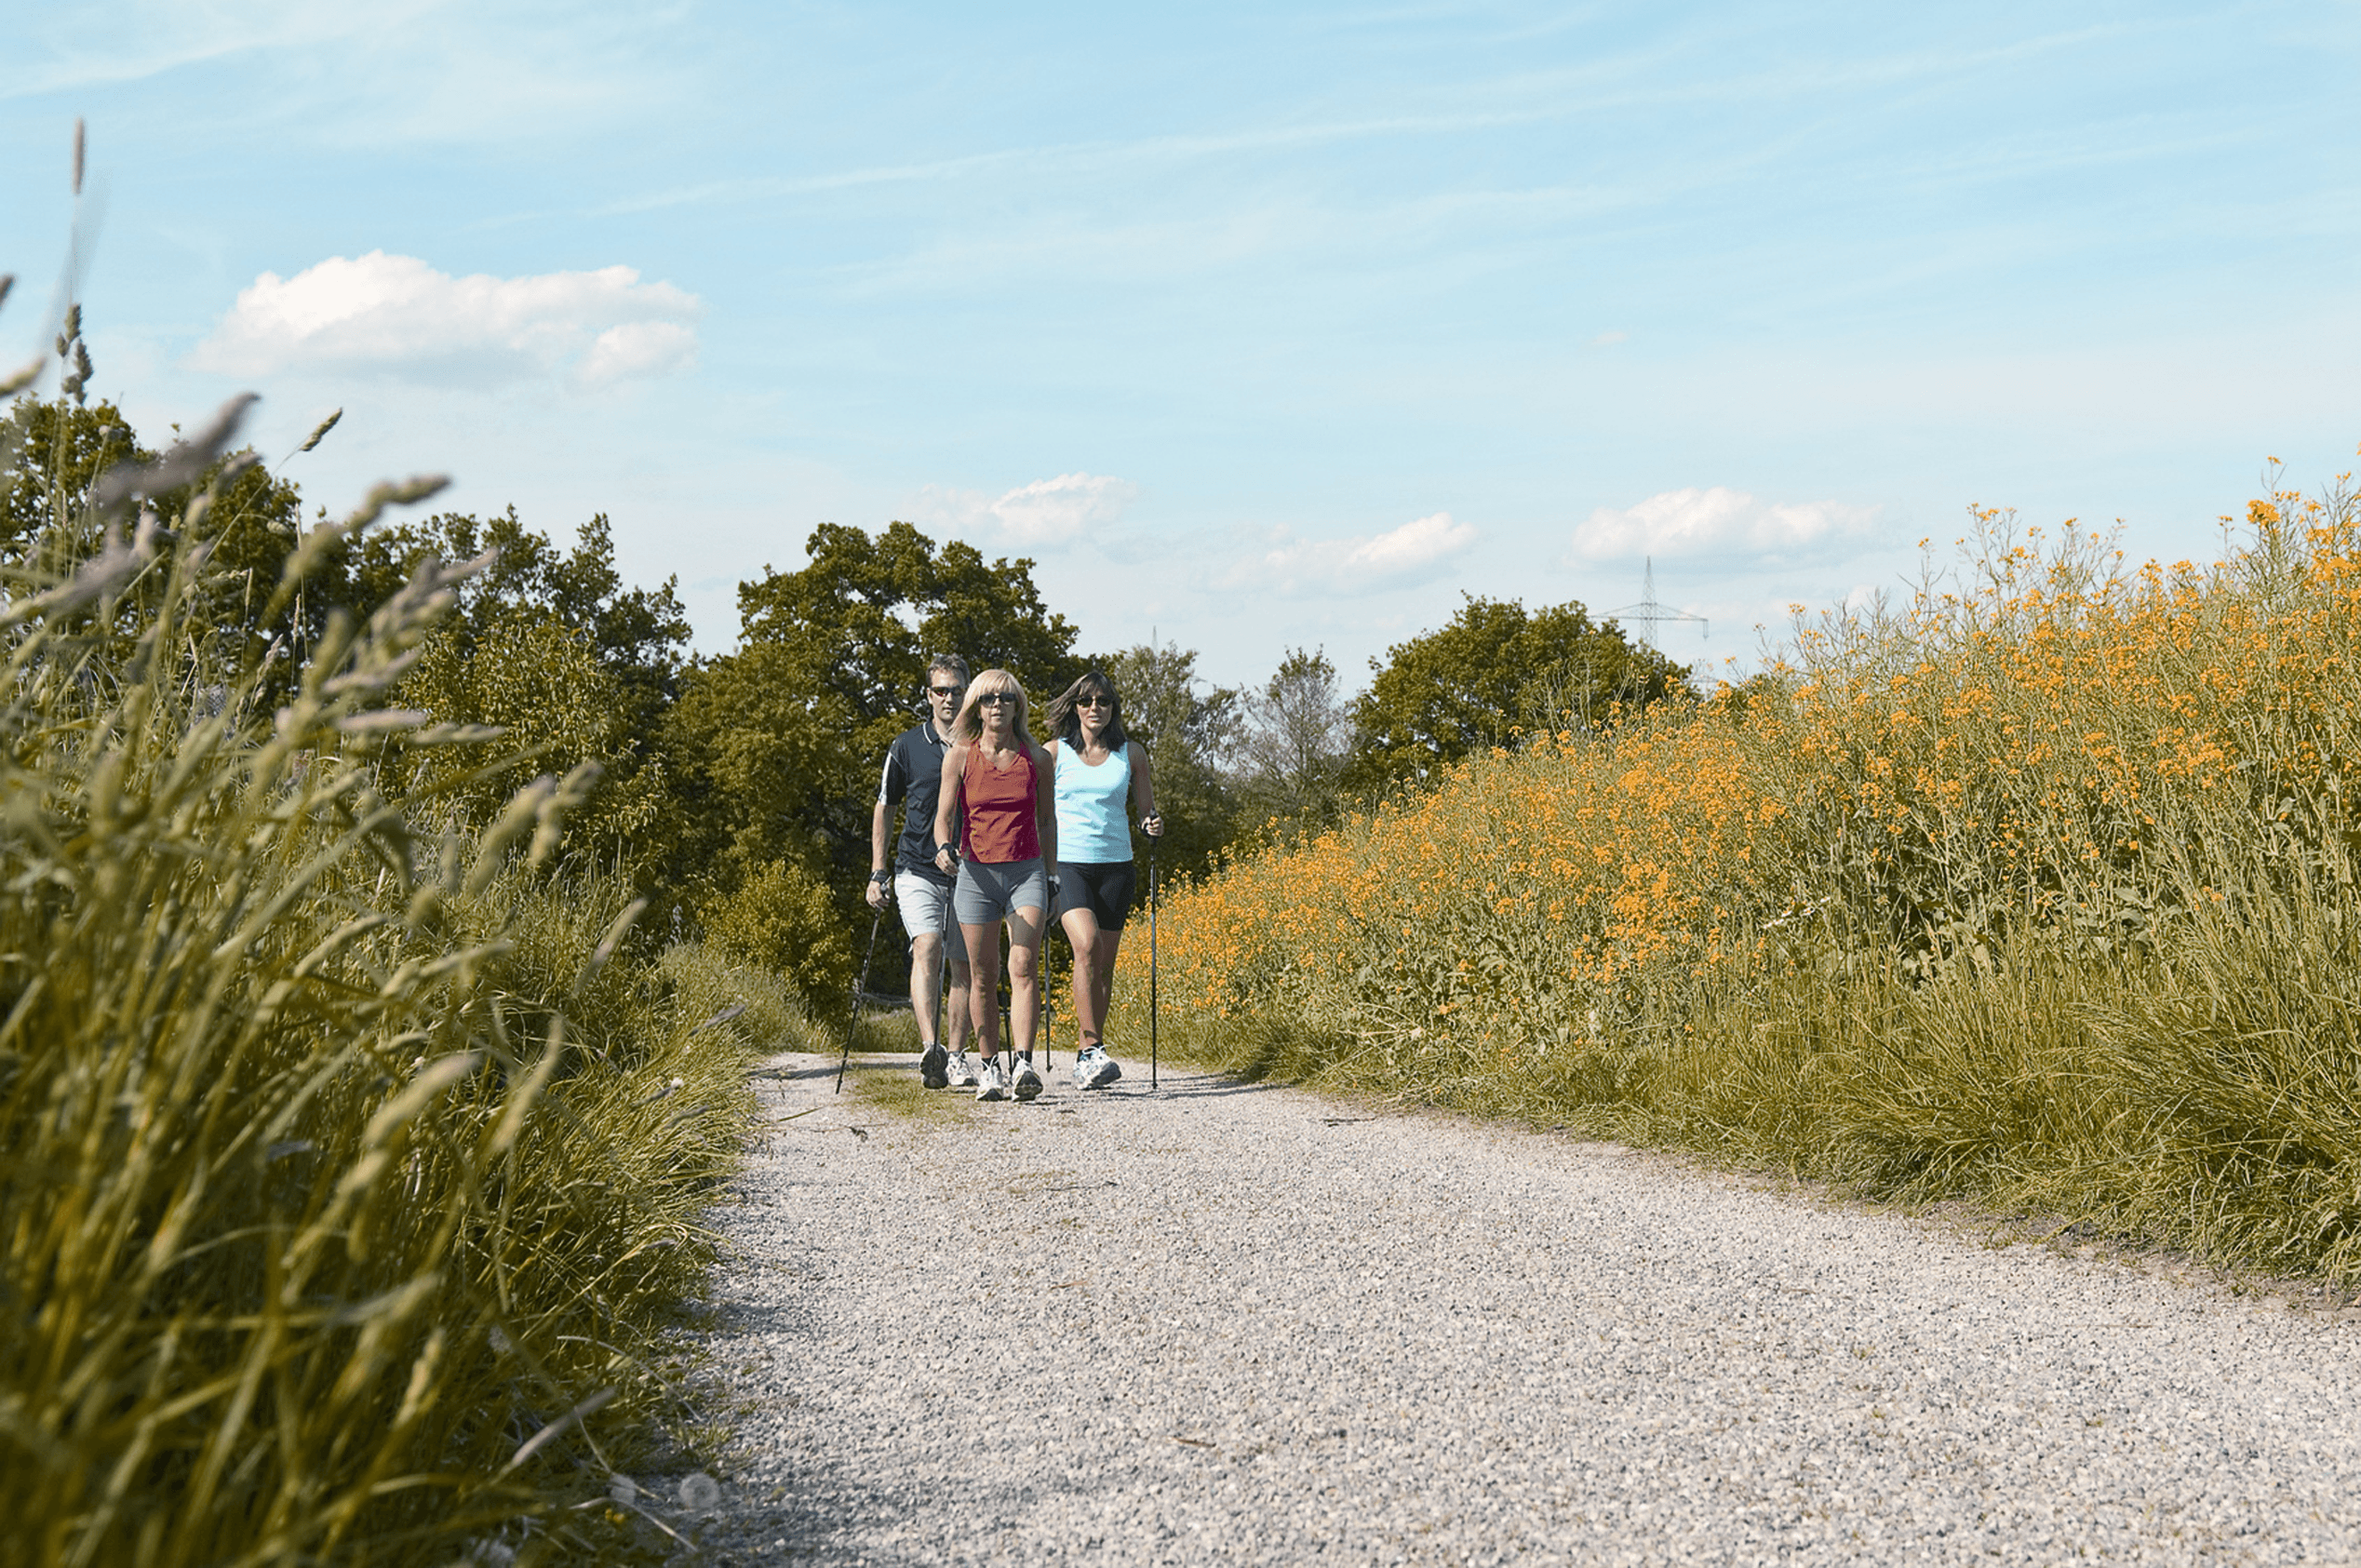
(639, 635)
(775, 747)
(549, 645)
(1494, 672)
(1298, 736)
(1193, 738)
(73, 464)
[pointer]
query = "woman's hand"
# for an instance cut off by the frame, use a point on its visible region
(1153, 825)
(946, 860)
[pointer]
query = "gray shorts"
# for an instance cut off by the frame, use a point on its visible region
(925, 902)
(987, 894)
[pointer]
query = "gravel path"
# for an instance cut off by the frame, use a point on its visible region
(1235, 1324)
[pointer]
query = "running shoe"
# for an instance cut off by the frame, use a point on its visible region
(933, 1066)
(992, 1084)
(1028, 1082)
(1095, 1070)
(962, 1072)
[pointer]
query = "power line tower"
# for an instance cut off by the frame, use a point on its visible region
(1648, 614)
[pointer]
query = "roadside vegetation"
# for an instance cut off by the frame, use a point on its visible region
(355, 1128)
(2038, 890)
(393, 912)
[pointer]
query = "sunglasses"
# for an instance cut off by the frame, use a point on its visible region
(994, 698)
(947, 690)
(1093, 701)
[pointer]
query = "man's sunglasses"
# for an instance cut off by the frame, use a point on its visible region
(947, 690)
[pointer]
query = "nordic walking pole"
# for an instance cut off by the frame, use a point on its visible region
(1151, 964)
(858, 986)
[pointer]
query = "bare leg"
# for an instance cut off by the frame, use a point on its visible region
(1093, 973)
(955, 1003)
(984, 980)
(926, 983)
(1024, 976)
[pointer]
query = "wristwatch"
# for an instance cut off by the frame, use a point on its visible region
(880, 877)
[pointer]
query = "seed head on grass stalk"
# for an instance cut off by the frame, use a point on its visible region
(333, 1233)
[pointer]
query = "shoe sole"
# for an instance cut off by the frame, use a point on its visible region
(1028, 1089)
(1101, 1080)
(934, 1067)
(991, 1093)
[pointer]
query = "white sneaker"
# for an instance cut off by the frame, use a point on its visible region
(962, 1072)
(991, 1084)
(1028, 1082)
(1095, 1070)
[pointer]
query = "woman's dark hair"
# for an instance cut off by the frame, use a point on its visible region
(1065, 726)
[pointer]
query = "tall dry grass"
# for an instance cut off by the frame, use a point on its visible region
(2037, 889)
(350, 1173)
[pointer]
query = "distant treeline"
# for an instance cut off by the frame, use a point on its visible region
(736, 790)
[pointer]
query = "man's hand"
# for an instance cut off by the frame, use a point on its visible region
(876, 895)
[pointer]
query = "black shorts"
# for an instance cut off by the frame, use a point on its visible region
(1103, 888)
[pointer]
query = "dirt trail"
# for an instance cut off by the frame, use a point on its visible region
(1229, 1323)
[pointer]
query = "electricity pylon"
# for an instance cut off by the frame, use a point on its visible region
(1648, 614)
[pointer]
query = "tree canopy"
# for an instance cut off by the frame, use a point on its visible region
(1494, 672)
(777, 744)
(738, 788)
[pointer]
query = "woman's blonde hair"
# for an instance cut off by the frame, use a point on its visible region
(966, 728)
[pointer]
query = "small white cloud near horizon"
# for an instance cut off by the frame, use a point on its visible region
(1717, 521)
(1045, 512)
(397, 315)
(1352, 566)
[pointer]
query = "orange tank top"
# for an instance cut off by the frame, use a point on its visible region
(999, 806)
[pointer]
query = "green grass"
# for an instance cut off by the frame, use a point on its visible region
(352, 1168)
(2037, 892)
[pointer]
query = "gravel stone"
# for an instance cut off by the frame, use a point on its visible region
(1225, 1322)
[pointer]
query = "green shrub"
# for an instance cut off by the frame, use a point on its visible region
(352, 1175)
(781, 918)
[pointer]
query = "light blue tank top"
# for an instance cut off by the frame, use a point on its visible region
(1093, 827)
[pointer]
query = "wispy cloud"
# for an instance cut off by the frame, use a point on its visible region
(1044, 512)
(396, 315)
(436, 71)
(1597, 89)
(1717, 521)
(1353, 566)
(99, 46)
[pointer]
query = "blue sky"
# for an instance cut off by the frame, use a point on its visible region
(1259, 326)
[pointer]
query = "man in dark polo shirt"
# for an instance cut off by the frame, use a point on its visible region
(913, 772)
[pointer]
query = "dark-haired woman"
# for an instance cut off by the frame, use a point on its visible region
(1100, 772)
(996, 829)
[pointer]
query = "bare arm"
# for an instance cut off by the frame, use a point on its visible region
(948, 803)
(1144, 792)
(876, 855)
(1045, 806)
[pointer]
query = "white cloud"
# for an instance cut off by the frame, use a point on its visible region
(1716, 522)
(1045, 512)
(396, 315)
(1300, 566)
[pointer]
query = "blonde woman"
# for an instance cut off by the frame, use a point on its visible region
(996, 829)
(1100, 772)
